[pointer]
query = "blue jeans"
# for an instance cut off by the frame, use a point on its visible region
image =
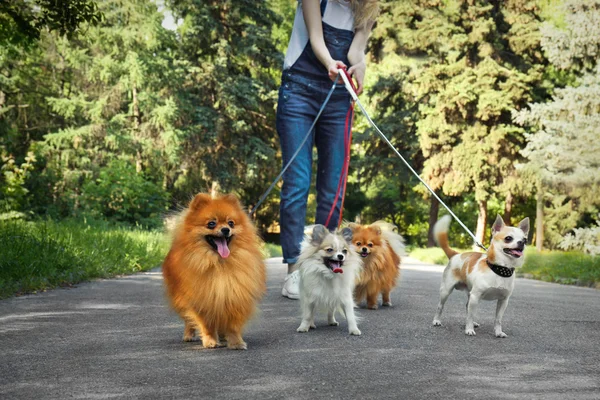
(300, 99)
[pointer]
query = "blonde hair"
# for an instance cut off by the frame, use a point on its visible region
(364, 11)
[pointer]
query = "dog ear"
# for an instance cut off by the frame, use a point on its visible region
(347, 234)
(200, 200)
(353, 226)
(524, 226)
(498, 225)
(318, 234)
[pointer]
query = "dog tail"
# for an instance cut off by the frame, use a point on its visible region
(391, 235)
(440, 233)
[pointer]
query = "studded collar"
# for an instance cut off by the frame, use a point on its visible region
(499, 270)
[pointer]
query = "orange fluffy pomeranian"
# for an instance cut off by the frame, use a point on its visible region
(215, 273)
(380, 247)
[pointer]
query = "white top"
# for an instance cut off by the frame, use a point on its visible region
(338, 14)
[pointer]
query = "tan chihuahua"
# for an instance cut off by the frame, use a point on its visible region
(485, 276)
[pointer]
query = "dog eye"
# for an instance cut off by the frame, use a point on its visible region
(231, 224)
(508, 239)
(329, 250)
(211, 225)
(358, 243)
(370, 244)
(345, 251)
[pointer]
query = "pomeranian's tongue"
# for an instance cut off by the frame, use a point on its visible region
(336, 267)
(222, 247)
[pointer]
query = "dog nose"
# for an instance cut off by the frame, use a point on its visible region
(340, 257)
(225, 231)
(364, 249)
(521, 243)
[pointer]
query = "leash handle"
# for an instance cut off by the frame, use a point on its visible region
(349, 83)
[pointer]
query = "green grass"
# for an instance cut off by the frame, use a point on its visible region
(566, 267)
(273, 250)
(40, 255)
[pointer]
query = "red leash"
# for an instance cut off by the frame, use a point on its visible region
(347, 143)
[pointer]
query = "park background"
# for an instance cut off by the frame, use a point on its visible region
(114, 113)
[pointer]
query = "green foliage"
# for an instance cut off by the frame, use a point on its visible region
(228, 98)
(23, 21)
(562, 151)
(121, 194)
(40, 255)
(467, 65)
(13, 193)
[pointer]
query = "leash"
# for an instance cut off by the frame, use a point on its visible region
(352, 92)
(346, 165)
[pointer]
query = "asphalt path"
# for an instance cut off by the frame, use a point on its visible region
(118, 339)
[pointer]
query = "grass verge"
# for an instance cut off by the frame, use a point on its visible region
(40, 255)
(566, 267)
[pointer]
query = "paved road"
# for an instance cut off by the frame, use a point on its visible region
(117, 339)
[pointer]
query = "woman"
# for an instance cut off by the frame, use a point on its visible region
(327, 35)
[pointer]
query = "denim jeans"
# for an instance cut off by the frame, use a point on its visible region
(300, 99)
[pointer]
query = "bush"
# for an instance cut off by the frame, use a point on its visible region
(122, 194)
(584, 239)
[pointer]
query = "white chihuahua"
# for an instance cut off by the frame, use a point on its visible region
(485, 276)
(328, 267)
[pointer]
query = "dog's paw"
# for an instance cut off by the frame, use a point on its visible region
(211, 344)
(386, 304)
(437, 322)
(355, 332)
(303, 329)
(373, 307)
(470, 332)
(238, 346)
(334, 323)
(476, 325)
(501, 335)
(190, 338)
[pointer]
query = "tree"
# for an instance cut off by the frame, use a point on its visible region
(229, 96)
(114, 95)
(474, 61)
(562, 152)
(23, 21)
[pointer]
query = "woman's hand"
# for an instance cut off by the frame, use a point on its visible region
(333, 69)
(357, 71)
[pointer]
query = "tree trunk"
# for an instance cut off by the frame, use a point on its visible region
(508, 203)
(481, 221)
(136, 128)
(539, 219)
(434, 208)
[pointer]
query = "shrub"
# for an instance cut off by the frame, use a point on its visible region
(122, 194)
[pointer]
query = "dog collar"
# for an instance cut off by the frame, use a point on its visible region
(499, 270)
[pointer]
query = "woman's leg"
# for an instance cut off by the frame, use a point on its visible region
(295, 114)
